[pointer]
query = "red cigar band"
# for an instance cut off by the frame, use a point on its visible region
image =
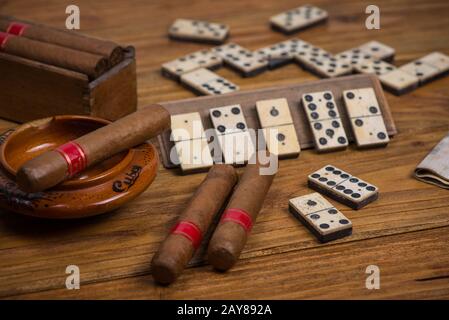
(3, 39)
(238, 216)
(190, 231)
(16, 28)
(74, 156)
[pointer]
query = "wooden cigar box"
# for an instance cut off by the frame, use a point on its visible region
(32, 90)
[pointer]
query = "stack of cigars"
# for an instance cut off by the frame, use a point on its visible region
(60, 48)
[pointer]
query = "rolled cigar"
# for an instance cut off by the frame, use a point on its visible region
(231, 234)
(185, 237)
(83, 62)
(65, 38)
(69, 159)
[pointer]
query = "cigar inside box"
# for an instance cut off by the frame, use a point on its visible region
(94, 77)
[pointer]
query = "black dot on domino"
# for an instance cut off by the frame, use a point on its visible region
(280, 137)
(341, 140)
(335, 124)
(240, 125)
(373, 109)
(274, 112)
(216, 113)
(221, 128)
(312, 106)
(350, 95)
(358, 122)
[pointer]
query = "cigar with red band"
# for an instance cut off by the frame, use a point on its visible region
(53, 167)
(232, 232)
(64, 38)
(179, 246)
(87, 63)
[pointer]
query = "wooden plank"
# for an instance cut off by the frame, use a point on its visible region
(293, 94)
(411, 265)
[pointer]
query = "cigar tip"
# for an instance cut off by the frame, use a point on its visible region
(221, 258)
(162, 273)
(26, 180)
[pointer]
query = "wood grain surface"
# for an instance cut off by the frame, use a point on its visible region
(405, 232)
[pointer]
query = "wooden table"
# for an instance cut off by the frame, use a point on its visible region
(405, 233)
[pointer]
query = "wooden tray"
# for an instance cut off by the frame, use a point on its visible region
(293, 93)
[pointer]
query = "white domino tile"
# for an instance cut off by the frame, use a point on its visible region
(324, 119)
(366, 117)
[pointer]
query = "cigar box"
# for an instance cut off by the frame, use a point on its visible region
(31, 90)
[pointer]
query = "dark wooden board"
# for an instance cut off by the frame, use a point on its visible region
(293, 94)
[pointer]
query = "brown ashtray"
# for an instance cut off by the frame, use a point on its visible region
(99, 189)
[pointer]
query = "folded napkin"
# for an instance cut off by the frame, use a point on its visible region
(434, 169)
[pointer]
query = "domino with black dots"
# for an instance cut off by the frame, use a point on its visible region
(244, 61)
(399, 82)
(278, 128)
(325, 221)
(198, 31)
(366, 118)
(196, 60)
(378, 50)
(206, 82)
(231, 131)
(325, 122)
(428, 68)
(281, 53)
(377, 67)
(343, 187)
(191, 143)
(322, 62)
(297, 19)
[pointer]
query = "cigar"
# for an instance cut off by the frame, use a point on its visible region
(65, 38)
(83, 62)
(179, 246)
(231, 234)
(66, 161)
